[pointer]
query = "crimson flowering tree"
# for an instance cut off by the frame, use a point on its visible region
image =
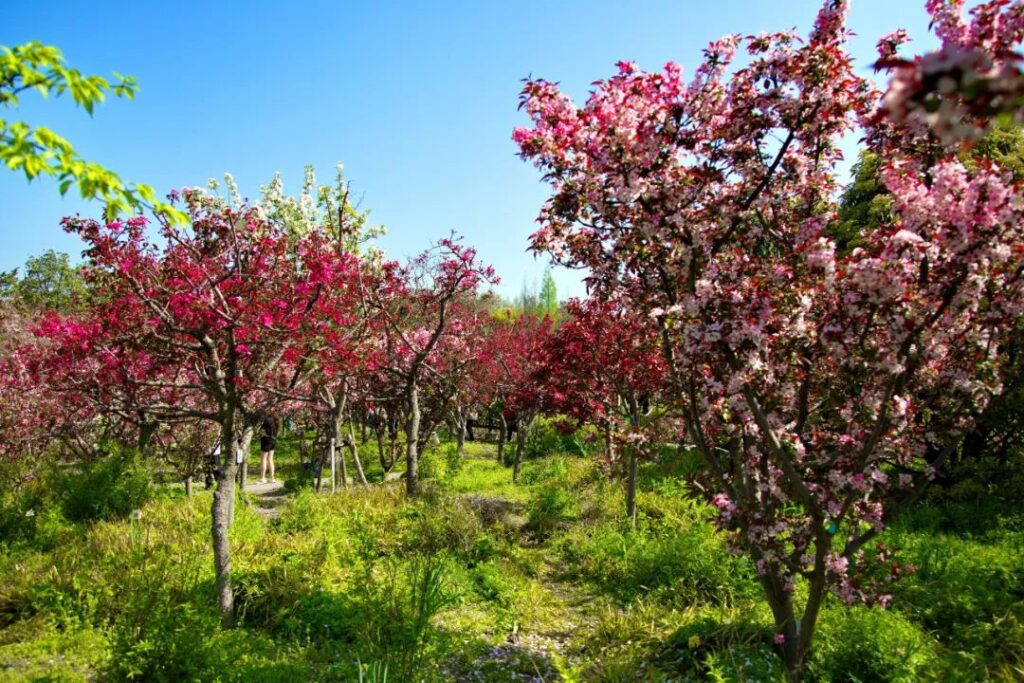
(340, 343)
(522, 361)
(488, 383)
(31, 416)
(822, 391)
(450, 388)
(419, 314)
(211, 324)
(604, 365)
(84, 364)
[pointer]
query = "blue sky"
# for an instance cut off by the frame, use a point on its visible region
(417, 99)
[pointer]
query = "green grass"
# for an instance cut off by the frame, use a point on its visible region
(478, 579)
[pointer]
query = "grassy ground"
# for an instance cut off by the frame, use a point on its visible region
(479, 579)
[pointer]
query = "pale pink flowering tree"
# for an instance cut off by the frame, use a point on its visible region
(950, 95)
(419, 316)
(821, 391)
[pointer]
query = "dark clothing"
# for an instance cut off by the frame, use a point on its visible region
(511, 426)
(268, 434)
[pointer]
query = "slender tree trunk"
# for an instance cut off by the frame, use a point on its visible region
(341, 459)
(460, 431)
(522, 428)
(609, 449)
(501, 438)
(393, 452)
(244, 446)
(355, 456)
(188, 487)
(632, 464)
(241, 446)
(332, 454)
(380, 448)
(391, 425)
(223, 500)
(631, 487)
(321, 462)
(796, 634)
(412, 435)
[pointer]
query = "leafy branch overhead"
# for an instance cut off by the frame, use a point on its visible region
(36, 150)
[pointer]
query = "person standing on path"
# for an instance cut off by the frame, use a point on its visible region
(268, 442)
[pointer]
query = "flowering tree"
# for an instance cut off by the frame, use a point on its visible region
(523, 362)
(31, 416)
(451, 387)
(212, 325)
(953, 94)
(604, 365)
(419, 314)
(186, 446)
(816, 387)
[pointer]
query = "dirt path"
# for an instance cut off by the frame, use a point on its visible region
(267, 498)
(548, 651)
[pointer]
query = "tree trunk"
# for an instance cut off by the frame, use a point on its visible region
(188, 487)
(522, 428)
(501, 438)
(412, 435)
(244, 446)
(631, 487)
(460, 431)
(321, 462)
(392, 449)
(632, 464)
(223, 502)
(146, 431)
(341, 459)
(244, 443)
(380, 448)
(331, 454)
(355, 456)
(796, 634)
(609, 449)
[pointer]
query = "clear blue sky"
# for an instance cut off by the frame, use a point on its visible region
(418, 100)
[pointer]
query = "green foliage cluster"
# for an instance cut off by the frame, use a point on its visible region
(36, 150)
(544, 438)
(49, 282)
(110, 488)
(43, 509)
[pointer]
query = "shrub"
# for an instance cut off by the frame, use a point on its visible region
(689, 564)
(720, 643)
(395, 610)
(862, 644)
(430, 465)
(969, 591)
(550, 507)
(103, 489)
(542, 439)
(20, 514)
(452, 463)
